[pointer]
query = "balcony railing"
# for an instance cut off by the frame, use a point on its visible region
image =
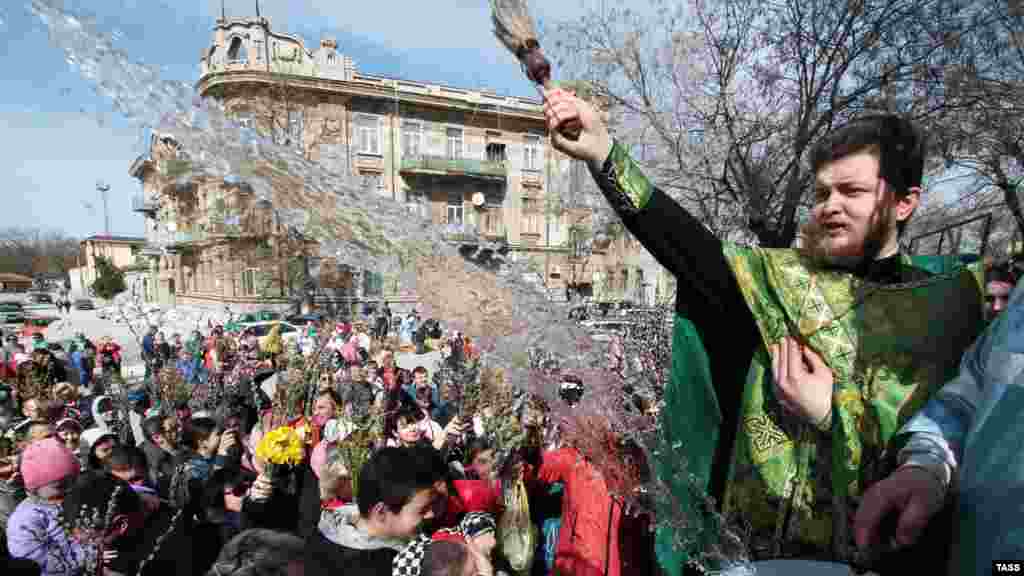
(151, 250)
(143, 204)
(468, 233)
(442, 165)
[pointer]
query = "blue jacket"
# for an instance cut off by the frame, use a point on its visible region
(148, 346)
(83, 366)
(973, 430)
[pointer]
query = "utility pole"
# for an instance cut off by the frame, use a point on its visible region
(103, 188)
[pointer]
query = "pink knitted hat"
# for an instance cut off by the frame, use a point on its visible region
(46, 461)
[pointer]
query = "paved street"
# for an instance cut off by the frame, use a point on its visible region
(94, 328)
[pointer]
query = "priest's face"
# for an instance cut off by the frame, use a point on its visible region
(855, 212)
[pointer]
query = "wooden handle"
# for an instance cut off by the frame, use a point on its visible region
(538, 69)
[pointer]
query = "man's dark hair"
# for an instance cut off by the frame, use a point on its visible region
(444, 558)
(258, 551)
(431, 464)
(92, 492)
(897, 143)
(419, 370)
(131, 457)
(392, 476)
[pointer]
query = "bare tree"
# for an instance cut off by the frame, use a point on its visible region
(733, 98)
(36, 252)
(982, 131)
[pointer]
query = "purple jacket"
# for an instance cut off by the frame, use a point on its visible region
(33, 533)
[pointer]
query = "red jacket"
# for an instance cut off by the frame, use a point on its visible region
(588, 542)
(471, 496)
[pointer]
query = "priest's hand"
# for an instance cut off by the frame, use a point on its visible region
(803, 383)
(562, 107)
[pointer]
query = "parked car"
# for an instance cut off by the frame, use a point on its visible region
(262, 330)
(38, 298)
(12, 312)
(303, 319)
(258, 316)
(83, 304)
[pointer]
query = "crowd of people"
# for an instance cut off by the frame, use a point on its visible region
(811, 393)
(396, 469)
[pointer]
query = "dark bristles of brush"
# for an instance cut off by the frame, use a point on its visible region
(514, 28)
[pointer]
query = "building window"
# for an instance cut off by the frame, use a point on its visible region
(455, 209)
(372, 181)
(249, 277)
(496, 152)
(236, 50)
(412, 133)
(295, 128)
(531, 153)
(492, 220)
(330, 57)
(555, 229)
(373, 283)
(531, 217)
(244, 119)
(368, 134)
(454, 143)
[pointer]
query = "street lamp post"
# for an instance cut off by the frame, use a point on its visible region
(103, 188)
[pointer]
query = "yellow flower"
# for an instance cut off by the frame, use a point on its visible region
(281, 446)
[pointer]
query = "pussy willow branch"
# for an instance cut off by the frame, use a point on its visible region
(160, 540)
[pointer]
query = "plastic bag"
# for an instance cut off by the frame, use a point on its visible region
(518, 536)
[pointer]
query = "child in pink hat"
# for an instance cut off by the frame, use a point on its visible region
(34, 532)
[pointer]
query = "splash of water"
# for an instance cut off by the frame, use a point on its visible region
(482, 295)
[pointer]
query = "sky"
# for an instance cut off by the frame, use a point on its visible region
(60, 139)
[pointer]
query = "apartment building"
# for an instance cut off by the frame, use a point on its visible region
(474, 161)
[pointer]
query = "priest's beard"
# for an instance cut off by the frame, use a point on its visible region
(816, 244)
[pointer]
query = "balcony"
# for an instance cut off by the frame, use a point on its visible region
(151, 250)
(468, 234)
(444, 166)
(143, 204)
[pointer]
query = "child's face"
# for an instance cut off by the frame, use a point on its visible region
(134, 476)
(103, 449)
(408, 431)
(324, 408)
(406, 521)
(40, 432)
(71, 437)
(483, 463)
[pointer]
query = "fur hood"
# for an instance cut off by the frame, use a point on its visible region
(339, 526)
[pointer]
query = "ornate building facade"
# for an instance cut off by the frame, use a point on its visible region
(475, 161)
